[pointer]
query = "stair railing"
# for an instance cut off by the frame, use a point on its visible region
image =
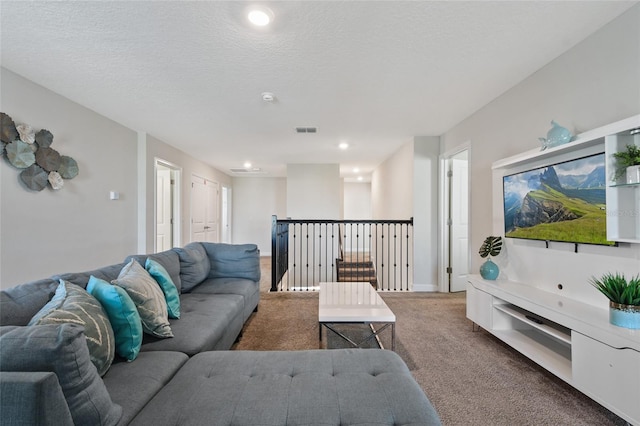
(306, 252)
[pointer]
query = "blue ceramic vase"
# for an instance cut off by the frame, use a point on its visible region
(489, 270)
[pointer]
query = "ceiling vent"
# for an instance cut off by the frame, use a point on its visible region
(306, 129)
(254, 170)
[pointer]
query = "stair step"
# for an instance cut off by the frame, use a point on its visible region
(355, 265)
(372, 281)
(358, 257)
(357, 270)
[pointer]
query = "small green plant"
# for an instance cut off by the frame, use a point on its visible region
(630, 157)
(491, 246)
(617, 289)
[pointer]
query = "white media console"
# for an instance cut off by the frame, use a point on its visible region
(569, 337)
(573, 340)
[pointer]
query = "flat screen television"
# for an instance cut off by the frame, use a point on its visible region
(561, 202)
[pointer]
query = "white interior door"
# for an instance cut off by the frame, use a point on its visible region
(459, 215)
(164, 209)
(204, 210)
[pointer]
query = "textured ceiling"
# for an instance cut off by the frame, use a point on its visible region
(372, 74)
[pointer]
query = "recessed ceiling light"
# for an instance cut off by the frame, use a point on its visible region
(260, 16)
(359, 177)
(356, 170)
(247, 165)
(343, 145)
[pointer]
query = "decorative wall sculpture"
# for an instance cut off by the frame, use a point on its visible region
(32, 153)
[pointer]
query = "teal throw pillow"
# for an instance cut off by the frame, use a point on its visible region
(72, 304)
(123, 315)
(160, 274)
(148, 298)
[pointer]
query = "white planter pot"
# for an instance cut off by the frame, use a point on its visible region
(633, 174)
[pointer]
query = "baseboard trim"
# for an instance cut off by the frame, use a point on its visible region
(425, 288)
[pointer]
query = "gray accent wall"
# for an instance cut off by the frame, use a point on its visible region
(77, 227)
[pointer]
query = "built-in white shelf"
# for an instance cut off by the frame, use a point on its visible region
(583, 140)
(623, 199)
(625, 185)
(556, 331)
(537, 154)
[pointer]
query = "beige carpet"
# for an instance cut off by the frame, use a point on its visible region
(470, 377)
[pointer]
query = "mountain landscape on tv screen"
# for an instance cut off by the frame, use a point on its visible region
(562, 202)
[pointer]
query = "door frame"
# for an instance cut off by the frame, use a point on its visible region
(226, 197)
(176, 197)
(443, 202)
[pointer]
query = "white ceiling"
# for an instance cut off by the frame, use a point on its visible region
(373, 74)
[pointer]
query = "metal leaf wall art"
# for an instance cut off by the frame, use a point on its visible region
(31, 151)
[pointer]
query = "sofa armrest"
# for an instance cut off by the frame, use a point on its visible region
(33, 398)
(233, 260)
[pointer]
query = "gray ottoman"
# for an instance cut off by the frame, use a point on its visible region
(316, 387)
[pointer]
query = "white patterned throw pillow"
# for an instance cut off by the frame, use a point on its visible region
(72, 304)
(148, 298)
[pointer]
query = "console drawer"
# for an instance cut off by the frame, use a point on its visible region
(609, 375)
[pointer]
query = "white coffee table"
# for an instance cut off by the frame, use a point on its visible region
(354, 303)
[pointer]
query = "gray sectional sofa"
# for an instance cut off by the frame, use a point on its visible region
(192, 378)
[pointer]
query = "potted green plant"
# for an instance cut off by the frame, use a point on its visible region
(628, 162)
(624, 298)
(490, 247)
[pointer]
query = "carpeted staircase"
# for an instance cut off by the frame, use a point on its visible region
(356, 267)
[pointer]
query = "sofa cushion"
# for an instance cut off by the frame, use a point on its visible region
(20, 303)
(61, 349)
(162, 277)
(72, 304)
(148, 298)
(168, 259)
(106, 273)
(329, 387)
(123, 316)
(133, 384)
(205, 320)
(194, 265)
(233, 260)
(239, 286)
(248, 289)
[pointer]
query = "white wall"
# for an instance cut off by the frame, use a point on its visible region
(593, 84)
(406, 186)
(314, 191)
(425, 212)
(392, 185)
(76, 228)
(357, 200)
(255, 200)
(157, 149)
